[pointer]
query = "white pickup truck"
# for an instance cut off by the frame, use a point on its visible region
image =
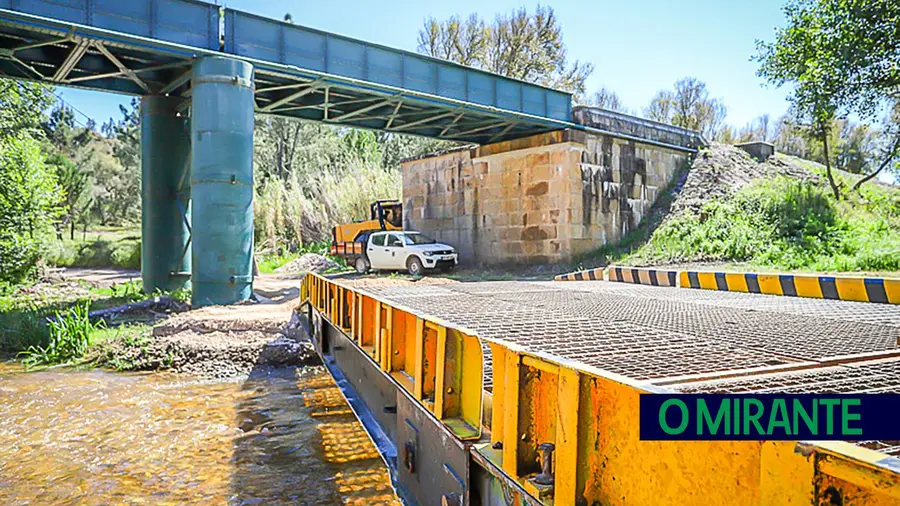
(410, 251)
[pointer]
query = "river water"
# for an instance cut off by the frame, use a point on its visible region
(95, 437)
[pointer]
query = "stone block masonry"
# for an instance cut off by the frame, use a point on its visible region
(540, 199)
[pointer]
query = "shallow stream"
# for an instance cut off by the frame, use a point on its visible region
(95, 437)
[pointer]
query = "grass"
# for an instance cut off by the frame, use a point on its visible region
(269, 263)
(783, 224)
(100, 247)
(131, 336)
(118, 294)
(69, 336)
(46, 324)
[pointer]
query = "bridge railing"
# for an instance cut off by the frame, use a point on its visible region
(626, 124)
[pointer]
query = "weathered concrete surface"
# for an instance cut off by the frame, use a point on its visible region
(759, 150)
(539, 199)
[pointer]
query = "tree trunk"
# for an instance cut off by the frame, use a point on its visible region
(834, 187)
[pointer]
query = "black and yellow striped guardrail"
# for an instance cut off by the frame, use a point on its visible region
(586, 275)
(641, 276)
(852, 288)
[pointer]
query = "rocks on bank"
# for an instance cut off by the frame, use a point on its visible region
(210, 347)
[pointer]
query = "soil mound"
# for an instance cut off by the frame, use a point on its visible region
(722, 169)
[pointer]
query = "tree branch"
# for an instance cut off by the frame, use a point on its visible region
(884, 163)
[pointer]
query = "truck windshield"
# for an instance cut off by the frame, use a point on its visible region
(413, 239)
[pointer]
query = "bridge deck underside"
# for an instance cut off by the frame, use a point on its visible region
(115, 56)
(680, 339)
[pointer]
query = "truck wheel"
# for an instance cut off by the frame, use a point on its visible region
(362, 265)
(414, 266)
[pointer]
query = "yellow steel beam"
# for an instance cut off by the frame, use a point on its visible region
(543, 365)
(591, 417)
(419, 359)
(342, 299)
(498, 354)
(387, 339)
(857, 472)
(566, 453)
(510, 411)
(378, 335)
(440, 359)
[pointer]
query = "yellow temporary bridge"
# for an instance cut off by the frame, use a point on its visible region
(476, 391)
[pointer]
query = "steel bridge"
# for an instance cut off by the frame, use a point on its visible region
(204, 71)
(475, 392)
(147, 47)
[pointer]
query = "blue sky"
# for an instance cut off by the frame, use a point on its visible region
(637, 46)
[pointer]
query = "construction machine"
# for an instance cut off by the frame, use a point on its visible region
(349, 240)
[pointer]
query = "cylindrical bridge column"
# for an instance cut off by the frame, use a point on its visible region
(222, 180)
(165, 195)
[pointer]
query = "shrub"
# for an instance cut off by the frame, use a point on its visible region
(123, 253)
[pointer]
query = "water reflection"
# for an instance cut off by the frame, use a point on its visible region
(69, 437)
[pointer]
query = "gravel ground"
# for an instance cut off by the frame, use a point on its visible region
(310, 262)
(203, 349)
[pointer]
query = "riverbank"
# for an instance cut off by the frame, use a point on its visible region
(219, 341)
(156, 334)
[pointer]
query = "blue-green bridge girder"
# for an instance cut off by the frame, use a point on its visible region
(145, 47)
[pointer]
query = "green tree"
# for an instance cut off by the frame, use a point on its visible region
(115, 163)
(68, 147)
(519, 44)
(689, 106)
(760, 129)
(75, 182)
(22, 106)
(62, 132)
(841, 57)
(29, 197)
(28, 191)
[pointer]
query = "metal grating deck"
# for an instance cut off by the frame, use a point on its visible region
(657, 334)
(679, 338)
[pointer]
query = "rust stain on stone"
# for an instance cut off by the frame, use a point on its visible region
(534, 234)
(538, 189)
